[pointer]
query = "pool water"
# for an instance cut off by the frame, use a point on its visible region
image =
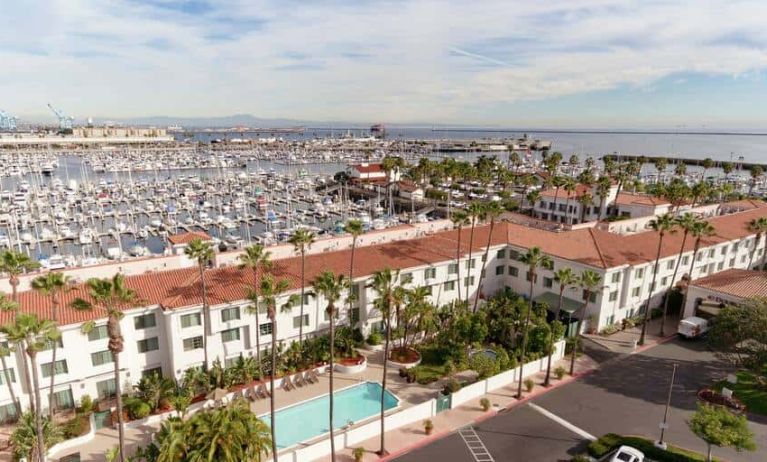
(307, 420)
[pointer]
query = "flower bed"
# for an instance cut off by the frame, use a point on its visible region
(712, 397)
(351, 365)
(404, 359)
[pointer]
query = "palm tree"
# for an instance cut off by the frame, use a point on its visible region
(33, 335)
(110, 296)
(566, 278)
(459, 219)
(686, 222)
(759, 226)
(533, 197)
(707, 164)
(700, 230)
(534, 259)
(52, 285)
(9, 305)
(259, 260)
(493, 210)
(661, 225)
(353, 227)
(588, 281)
(603, 189)
(202, 252)
(330, 287)
(270, 291)
(384, 284)
(302, 239)
(756, 172)
(475, 211)
(570, 187)
(16, 264)
(586, 200)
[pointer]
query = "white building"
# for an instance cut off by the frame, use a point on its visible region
(707, 295)
(165, 332)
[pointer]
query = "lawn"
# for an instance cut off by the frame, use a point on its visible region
(748, 390)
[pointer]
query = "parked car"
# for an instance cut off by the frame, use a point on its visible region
(625, 454)
(692, 327)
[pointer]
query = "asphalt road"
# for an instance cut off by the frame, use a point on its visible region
(626, 395)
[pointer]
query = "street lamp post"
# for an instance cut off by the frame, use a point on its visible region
(664, 424)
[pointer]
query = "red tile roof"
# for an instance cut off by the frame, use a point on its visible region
(368, 168)
(589, 246)
(580, 190)
(736, 282)
(186, 238)
(626, 198)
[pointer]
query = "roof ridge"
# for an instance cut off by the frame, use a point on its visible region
(168, 301)
(599, 249)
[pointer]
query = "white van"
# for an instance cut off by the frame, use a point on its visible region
(692, 327)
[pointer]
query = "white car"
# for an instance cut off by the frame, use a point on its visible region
(626, 454)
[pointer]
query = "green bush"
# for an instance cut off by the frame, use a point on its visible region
(503, 360)
(78, 426)
(375, 338)
(559, 372)
(86, 404)
(137, 409)
(483, 365)
(484, 403)
(529, 385)
(451, 387)
(580, 458)
(610, 441)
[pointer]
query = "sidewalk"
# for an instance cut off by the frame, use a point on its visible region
(409, 437)
(623, 341)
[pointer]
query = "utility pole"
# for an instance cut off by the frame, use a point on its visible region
(664, 424)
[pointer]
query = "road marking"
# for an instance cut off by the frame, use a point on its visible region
(563, 422)
(475, 445)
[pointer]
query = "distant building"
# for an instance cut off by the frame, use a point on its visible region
(372, 173)
(410, 190)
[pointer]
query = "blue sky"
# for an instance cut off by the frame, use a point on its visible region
(559, 63)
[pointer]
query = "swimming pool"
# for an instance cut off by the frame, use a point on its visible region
(309, 419)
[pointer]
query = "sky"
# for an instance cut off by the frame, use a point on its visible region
(510, 63)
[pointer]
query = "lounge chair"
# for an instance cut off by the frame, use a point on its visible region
(287, 385)
(311, 376)
(251, 394)
(315, 375)
(308, 377)
(236, 395)
(265, 391)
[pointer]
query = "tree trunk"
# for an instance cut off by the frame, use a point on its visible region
(764, 255)
(38, 415)
(273, 318)
(121, 433)
(652, 288)
(54, 318)
(205, 317)
(551, 337)
(331, 310)
(468, 270)
(382, 450)
(708, 454)
(303, 278)
(351, 280)
(692, 268)
(484, 265)
(668, 291)
(524, 336)
(458, 262)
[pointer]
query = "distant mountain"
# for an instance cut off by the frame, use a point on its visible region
(246, 120)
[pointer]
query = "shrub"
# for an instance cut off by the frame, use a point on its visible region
(375, 338)
(484, 403)
(559, 372)
(86, 404)
(529, 385)
(483, 365)
(580, 458)
(428, 426)
(451, 387)
(358, 453)
(503, 360)
(611, 329)
(137, 409)
(78, 426)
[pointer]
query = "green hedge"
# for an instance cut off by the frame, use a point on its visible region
(610, 441)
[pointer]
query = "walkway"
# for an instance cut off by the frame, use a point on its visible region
(623, 341)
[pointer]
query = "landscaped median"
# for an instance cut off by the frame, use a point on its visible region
(612, 441)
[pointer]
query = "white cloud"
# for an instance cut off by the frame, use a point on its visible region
(348, 60)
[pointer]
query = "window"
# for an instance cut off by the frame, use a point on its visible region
(702, 269)
(724, 250)
(452, 268)
(720, 266)
(98, 333)
(190, 320)
(711, 253)
(149, 344)
(297, 321)
(405, 277)
(635, 291)
(592, 296)
(670, 265)
(355, 293)
(616, 277)
(266, 328)
(449, 286)
(471, 264)
(144, 322)
(664, 281)
(49, 344)
(743, 259)
(232, 335)
(100, 358)
(61, 368)
(193, 343)
(513, 271)
(686, 260)
(468, 281)
(699, 257)
(528, 275)
(106, 389)
(639, 273)
(613, 296)
(501, 253)
(355, 315)
(230, 314)
(499, 270)
(233, 361)
(63, 399)
(8, 413)
(513, 255)
(11, 373)
(548, 282)
(430, 273)
(735, 246)
(732, 262)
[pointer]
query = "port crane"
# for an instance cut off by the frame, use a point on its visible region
(65, 121)
(7, 121)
